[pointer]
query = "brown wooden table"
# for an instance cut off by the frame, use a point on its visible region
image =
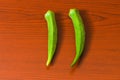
(23, 40)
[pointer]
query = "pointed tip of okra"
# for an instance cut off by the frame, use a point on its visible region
(48, 63)
(72, 11)
(48, 13)
(73, 63)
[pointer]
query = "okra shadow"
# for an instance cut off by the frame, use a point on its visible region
(88, 37)
(60, 34)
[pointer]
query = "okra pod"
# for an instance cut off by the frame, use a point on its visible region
(52, 35)
(79, 33)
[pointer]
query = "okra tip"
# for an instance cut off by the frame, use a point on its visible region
(73, 63)
(47, 63)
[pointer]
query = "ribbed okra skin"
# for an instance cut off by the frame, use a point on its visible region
(79, 33)
(52, 35)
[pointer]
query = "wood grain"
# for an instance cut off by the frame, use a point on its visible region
(23, 40)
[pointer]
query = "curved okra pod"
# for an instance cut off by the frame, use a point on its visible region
(52, 35)
(79, 33)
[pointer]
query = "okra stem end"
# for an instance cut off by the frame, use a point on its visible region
(72, 11)
(49, 13)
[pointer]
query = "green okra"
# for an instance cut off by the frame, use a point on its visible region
(52, 35)
(79, 33)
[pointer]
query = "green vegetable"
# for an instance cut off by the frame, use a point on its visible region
(52, 35)
(79, 33)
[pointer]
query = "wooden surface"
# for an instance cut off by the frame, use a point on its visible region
(23, 40)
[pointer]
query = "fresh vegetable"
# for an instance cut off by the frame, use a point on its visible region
(79, 33)
(52, 35)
